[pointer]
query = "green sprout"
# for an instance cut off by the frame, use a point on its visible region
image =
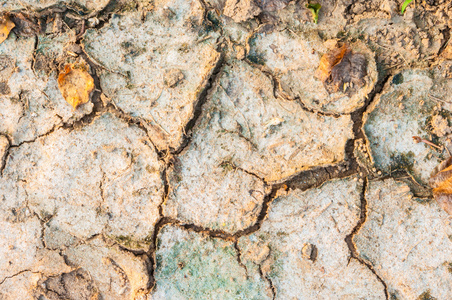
(314, 8)
(404, 5)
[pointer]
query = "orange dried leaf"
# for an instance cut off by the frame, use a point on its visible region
(5, 27)
(329, 60)
(443, 195)
(441, 182)
(75, 85)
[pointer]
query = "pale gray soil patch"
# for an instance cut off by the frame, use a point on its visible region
(301, 246)
(158, 67)
(408, 106)
(214, 160)
(407, 241)
(76, 180)
(185, 269)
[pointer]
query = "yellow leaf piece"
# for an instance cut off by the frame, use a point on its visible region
(5, 27)
(75, 85)
(329, 60)
(441, 182)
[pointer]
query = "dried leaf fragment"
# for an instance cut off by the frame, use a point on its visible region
(75, 84)
(26, 25)
(441, 182)
(341, 69)
(5, 27)
(349, 72)
(329, 60)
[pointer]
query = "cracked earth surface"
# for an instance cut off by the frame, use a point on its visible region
(212, 162)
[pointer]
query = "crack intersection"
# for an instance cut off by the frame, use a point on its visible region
(304, 180)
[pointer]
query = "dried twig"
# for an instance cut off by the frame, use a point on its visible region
(421, 140)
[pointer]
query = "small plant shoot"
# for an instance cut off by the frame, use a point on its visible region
(405, 5)
(314, 8)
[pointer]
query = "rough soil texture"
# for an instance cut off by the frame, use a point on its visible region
(407, 241)
(215, 159)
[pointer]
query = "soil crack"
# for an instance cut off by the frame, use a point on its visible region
(239, 258)
(202, 99)
(351, 244)
(14, 275)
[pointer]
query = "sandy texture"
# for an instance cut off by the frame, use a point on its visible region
(407, 240)
(301, 247)
(185, 271)
(219, 154)
(408, 107)
(158, 68)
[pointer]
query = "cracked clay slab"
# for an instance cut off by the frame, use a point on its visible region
(31, 104)
(244, 139)
(190, 265)
(294, 58)
(408, 241)
(103, 178)
(89, 5)
(21, 249)
(413, 103)
(301, 249)
(155, 70)
(99, 269)
(94, 269)
(401, 41)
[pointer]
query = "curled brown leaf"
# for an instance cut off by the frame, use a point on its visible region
(25, 25)
(341, 69)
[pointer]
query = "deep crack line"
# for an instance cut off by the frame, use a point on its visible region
(351, 244)
(197, 108)
(5, 155)
(14, 275)
(151, 253)
(266, 277)
(239, 258)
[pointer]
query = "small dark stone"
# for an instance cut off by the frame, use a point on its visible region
(4, 88)
(397, 79)
(172, 77)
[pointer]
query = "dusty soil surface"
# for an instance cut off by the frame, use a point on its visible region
(230, 149)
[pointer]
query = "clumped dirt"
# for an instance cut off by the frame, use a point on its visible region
(74, 285)
(224, 149)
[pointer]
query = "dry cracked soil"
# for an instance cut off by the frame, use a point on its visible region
(230, 149)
